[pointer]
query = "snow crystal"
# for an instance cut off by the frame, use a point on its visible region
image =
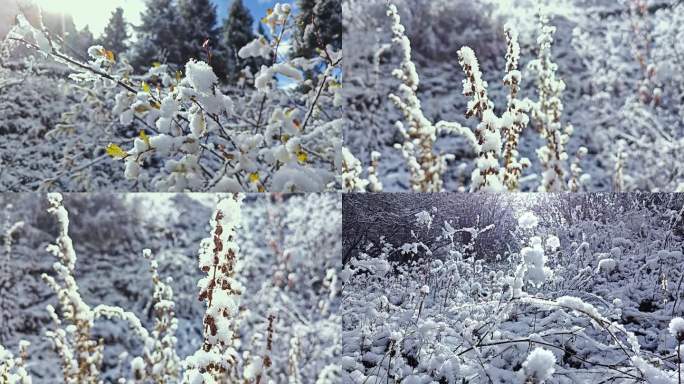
(258, 47)
(677, 328)
(294, 178)
(200, 75)
(169, 107)
(540, 364)
(137, 366)
(132, 170)
(95, 51)
(266, 74)
(254, 368)
(552, 242)
(606, 265)
(423, 218)
(577, 304)
(198, 124)
(535, 260)
(227, 184)
(163, 144)
(528, 220)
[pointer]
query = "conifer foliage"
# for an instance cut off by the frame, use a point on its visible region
(155, 35)
(116, 35)
(319, 23)
(238, 31)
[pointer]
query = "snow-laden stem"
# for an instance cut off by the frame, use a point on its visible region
(515, 118)
(13, 369)
(424, 165)
(547, 113)
(218, 359)
(81, 355)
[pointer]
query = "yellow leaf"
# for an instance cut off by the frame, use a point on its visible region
(142, 108)
(156, 105)
(302, 156)
(179, 75)
(145, 87)
(109, 55)
(261, 188)
(145, 138)
(284, 138)
(156, 64)
(116, 152)
(254, 177)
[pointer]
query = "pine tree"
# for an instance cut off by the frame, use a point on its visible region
(199, 26)
(85, 38)
(62, 26)
(317, 20)
(115, 33)
(237, 32)
(158, 37)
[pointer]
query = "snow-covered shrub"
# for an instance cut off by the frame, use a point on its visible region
(454, 315)
(13, 369)
(254, 329)
(352, 181)
(8, 304)
(217, 359)
(194, 135)
(632, 110)
(539, 366)
(610, 88)
(495, 139)
(547, 112)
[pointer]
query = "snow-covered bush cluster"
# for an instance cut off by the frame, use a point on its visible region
(268, 290)
(588, 100)
(180, 128)
(546, 309)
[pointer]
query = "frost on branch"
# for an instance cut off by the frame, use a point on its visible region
(13, 369)
(539, 366)
(195, 133)
(456, 306)
(352, 180)
(218, 258)
(425, 167)
(80, 355)
(547, 113)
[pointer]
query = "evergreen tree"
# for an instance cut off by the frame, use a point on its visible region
(317, 19)
(72, 41)
(158, 37)
(62, 26)
(115, 33)
(84, 40)
(199, 25)
(237, 32)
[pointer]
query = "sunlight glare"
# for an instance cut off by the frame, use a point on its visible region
(94, 14)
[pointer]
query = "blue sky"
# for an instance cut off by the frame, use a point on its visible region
(257, 7)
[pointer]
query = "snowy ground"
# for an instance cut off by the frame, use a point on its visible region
(109, 233)
(584, 291)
